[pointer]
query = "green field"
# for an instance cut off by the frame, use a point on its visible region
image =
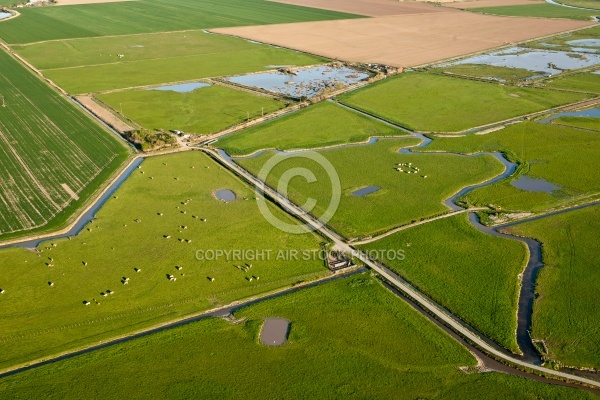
(145, 16)
(564, 156)
(565, 315)
(487, 72)
(402, 198)
(204, 110)
(426, 102)
(474, 275)
(321, 125)
(129, 233)
(538, 10)
(582, 3)
(583, 82)
(92, 65)
(48, 149)
(331, 353)
(579, 122)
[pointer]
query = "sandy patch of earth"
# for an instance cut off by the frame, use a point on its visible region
(104, 114)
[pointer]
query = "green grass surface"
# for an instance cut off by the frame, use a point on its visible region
(564, 156)
(559, 42)
(538, 10)
(144, 16)
(564, 313)
(204, 110)
(474, 275)
(426, 102)
(350, 338)
(402, 198)
(45, 143)
(579, 122)
(583, 82)
(582, 3)
(324, 124)
(40, 320)
(91, 65)
(487, 71)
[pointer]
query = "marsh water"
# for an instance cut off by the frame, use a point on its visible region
(365, 191)
(181, 88)
(590, 113)
(4, 15)
(530, 184)
(301, 82)
(225, 195)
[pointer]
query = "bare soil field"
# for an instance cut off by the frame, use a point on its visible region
(491, 3)
(75, 2)
(404, 40)
(102, 113)
(371, 8)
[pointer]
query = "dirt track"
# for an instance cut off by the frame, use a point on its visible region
(102, 113)
(371, 8)
(405, 40)
(491, 3)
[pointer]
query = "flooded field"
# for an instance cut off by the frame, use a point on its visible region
(301, 82)
(365, 191)
(182, 87)
(534, 185)
(225, 195)
(539, 62)
(275, 331)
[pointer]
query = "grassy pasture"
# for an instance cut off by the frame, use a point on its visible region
(324, 124)
(46, 143)
(561, 155)
(92, 65)
(582, 3)
(582, 82)
(330, 346)
(402, 198)
(538, 10)
(472, 274)
(487, 71)
(427, 102)
(564, 313)
(204, 110)
(579, 122)
(145, 16)
(129, 233)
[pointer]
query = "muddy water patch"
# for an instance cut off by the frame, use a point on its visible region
(584, 42)
(225, 195)
(181, 88)
(365, 191)
(534, 185)
(275, 331)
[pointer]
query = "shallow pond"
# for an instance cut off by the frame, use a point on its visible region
(544, 62)
(225, 195)
(591, 113)
(302, 81)
(275, 331)
(182, 87)
(584, 42)
(4, 15)
(365, 191)
(534, 185)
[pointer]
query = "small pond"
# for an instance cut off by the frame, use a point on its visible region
(275, 331)
(225, 195)
(182, 87)
(4, 15)
(365, 191)
(301, 82)
(591, 113)
(534, 185)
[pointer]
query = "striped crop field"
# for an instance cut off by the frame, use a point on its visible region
(52, 155)
(144, 16)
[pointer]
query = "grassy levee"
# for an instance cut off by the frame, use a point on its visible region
(579, 122)
(92, 65)
(324, 124)
(584, 82)
(145, 16)
(204, 110)
(538, 10)
(402, 197)
(474, 275)
(486, 72)
(429, 102)
(564, 156)
(40, 319)
(347, 338)
(565, 316)
(53, 157)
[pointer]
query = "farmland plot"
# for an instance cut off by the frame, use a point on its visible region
(51, 155)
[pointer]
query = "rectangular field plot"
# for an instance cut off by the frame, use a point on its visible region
(51, 155)
(99, 64)
(144, 16)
